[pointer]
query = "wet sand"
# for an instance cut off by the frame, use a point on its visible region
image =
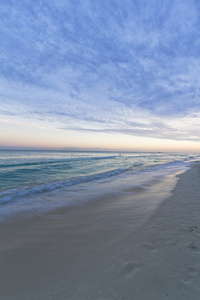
(105, 250)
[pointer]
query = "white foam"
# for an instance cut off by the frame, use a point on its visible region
(72, 192)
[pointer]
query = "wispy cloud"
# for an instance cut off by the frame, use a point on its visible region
(109, 66)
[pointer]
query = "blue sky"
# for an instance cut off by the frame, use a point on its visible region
(101, 73)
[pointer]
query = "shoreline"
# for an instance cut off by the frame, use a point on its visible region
(98, 253)
(154, 181)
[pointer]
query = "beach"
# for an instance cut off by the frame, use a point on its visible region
(96, 252)
(100, 150)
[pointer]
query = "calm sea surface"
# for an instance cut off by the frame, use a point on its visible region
(42, 180)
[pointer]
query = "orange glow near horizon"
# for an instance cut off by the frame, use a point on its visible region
(26, 137)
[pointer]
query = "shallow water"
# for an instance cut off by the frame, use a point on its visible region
(38, 181)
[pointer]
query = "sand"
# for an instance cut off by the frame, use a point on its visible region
(97, 252)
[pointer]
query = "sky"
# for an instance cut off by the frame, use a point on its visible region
(100, 74)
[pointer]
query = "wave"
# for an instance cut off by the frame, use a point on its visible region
(11, 194)
(55, 162)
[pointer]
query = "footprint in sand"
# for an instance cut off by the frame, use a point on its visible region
(131, 267)
(191, 273)
(193, 247)
(193, 228)
(150, 246)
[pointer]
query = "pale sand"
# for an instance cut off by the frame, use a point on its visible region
(93, 252)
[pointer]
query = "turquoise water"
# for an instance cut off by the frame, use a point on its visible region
(26, 174)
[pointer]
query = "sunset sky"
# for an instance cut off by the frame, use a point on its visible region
(100, 74)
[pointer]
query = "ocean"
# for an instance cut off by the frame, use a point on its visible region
(34, 182)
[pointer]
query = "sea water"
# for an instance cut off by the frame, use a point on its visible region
(37, 181)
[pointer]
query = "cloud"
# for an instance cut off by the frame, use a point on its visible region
(130, 68)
